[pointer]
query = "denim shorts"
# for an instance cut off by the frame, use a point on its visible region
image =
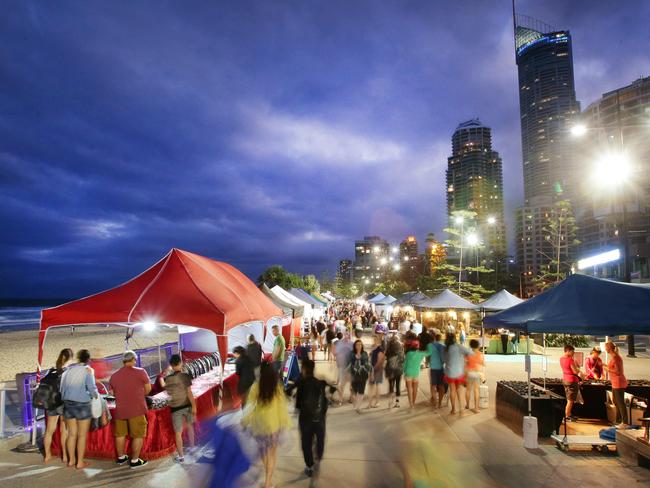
(76, 410)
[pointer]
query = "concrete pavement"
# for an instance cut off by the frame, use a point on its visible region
(370, 450)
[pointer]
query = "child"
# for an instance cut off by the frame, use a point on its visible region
(473, 368)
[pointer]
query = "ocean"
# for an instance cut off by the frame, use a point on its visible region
(24, 314)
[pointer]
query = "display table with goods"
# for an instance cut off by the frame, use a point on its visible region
(594, 395)
(512, 406)
(207, 389)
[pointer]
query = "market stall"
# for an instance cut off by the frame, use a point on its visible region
(446, 308)
(213, 305)
(292, 318)
(579, 305)
(308, 308)
(317, 306)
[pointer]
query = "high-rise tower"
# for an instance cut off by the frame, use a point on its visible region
(547, 105)
(475, 183)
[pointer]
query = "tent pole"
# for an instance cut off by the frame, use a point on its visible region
(528, 367)
(545, 363)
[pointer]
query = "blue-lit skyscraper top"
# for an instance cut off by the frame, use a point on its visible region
(547, 103)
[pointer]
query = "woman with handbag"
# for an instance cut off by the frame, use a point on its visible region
(78, 388)
(266, 416)
(54, 414)
(360, 368)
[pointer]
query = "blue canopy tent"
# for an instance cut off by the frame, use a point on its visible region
(377, 298)
(411, 298)
(580, 304)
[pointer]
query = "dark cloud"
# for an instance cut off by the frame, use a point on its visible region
(255, 132)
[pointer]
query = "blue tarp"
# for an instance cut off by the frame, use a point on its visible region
(581, 305)
(306, 297)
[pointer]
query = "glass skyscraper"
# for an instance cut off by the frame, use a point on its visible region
(547, 106)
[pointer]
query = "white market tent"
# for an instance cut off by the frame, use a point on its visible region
(501, 300)
(288, 297)
(377, 298)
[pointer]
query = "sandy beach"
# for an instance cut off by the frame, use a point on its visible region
(19, 349)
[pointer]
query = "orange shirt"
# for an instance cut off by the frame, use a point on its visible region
(616, 373)
(474, 361)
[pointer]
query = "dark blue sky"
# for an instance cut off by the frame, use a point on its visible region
(256, 132)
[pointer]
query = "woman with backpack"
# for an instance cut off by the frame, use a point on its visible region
(394, 368)
(78, 388)
(53, 414)
(359, 369)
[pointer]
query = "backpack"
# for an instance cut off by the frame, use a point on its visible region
(47, 395)
(313, 406)
(394, 365)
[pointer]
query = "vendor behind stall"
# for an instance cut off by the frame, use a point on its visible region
(571, 380)
(594, 365)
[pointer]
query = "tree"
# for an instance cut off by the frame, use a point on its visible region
(392, 287)
(447, 275)
(277, 275)
(559, 231)
(311, 284)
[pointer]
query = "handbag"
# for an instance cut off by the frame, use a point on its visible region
(104, 418)
(96, 407)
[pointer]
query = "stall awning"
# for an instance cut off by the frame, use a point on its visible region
(306, 297)
(292, 308)
(581, 305)
(446, 300)
(501, 300)
(377, 298)
(182, 288)
(411, 298)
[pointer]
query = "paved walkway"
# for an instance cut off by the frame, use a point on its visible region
(368, 450)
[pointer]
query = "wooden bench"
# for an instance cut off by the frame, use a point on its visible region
(632, 448)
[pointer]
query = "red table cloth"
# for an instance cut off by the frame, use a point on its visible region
(159, 441)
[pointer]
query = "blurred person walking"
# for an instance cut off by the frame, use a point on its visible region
(436, 370)
(454, 359)
(254, 352)
(394, 370)
(78, 388)
(474, 367)
(377, 361)
(412, 362)
(130, 385)
(266, 416)
(53, 378)
(311, 403)
(245, 373)
(359, 369)
(343, 355)
(182, 404)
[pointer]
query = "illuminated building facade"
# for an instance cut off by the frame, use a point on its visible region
(371, 256)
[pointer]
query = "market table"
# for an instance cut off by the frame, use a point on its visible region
(159, 441)
(594, 394)
(512, 406)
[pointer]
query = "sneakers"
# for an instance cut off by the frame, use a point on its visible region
(396, 403)
(121, 460)
(309, 472)
(138, 463)
(179, 459)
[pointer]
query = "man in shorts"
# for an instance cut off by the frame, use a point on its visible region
(130, 385)
(436, 370)
(181, 403)
(279, 350)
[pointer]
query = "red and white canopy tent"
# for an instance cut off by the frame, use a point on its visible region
(181, 289)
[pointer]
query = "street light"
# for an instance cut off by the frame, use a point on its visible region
(383, 261)
(459, 219)
(491, 220)
(579, 130)
(612, 169)
(394, 250)
(397, 267)
(472, 240)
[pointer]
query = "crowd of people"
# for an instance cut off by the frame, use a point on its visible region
(455, 372)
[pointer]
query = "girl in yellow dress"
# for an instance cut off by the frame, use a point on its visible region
(266, 416)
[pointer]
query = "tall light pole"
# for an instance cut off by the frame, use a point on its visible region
(491, 221)
(614, 170)
(460, 220)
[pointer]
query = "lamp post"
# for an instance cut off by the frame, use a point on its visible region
(614, 170)
(460, 220)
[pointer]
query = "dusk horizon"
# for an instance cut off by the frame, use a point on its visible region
(258, 134)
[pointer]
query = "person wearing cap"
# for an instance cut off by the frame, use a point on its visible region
(130, 385)
(594, 365)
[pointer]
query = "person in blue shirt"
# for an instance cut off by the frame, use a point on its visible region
(436, 364)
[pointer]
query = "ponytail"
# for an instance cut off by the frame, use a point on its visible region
(613, 345)
(64, 356)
